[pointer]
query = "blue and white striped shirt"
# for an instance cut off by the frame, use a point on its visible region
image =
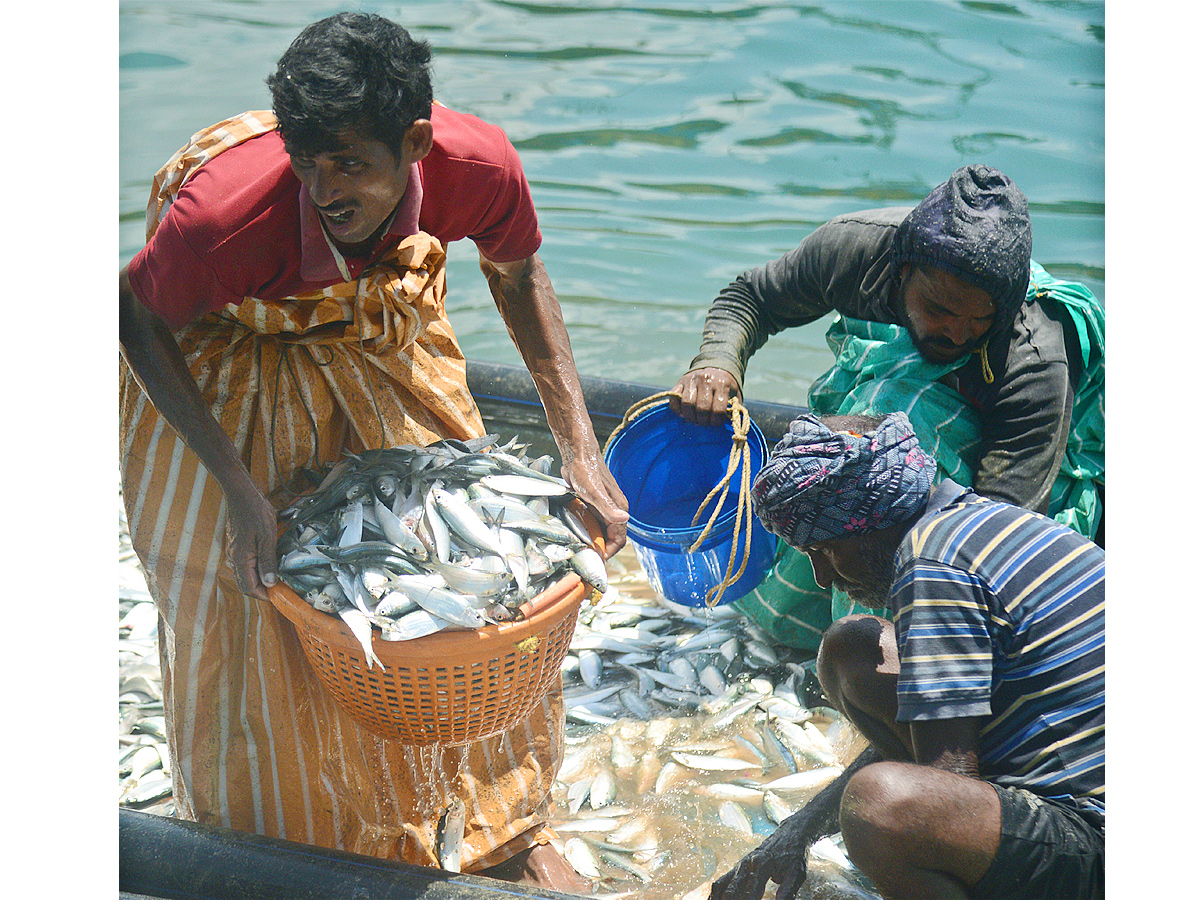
(999, 613)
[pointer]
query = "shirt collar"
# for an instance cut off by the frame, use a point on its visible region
(944, 493)
(320, 260)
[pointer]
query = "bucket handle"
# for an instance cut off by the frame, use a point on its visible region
(739, 458)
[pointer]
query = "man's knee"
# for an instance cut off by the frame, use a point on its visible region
(879, 806)
(918, 831)
(849, 647)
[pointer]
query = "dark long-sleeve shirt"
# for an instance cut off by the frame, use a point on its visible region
(846, 265)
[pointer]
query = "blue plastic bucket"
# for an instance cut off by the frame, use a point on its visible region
(666, 467)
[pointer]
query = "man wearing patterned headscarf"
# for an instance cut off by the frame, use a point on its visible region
(983, 700)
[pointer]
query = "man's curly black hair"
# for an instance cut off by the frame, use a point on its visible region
(350, 71)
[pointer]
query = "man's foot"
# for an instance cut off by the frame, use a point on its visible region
(542, 865)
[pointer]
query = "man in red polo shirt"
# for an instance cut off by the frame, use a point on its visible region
(289, 307)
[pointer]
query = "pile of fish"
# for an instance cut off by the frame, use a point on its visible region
(689, 739)
(143, 764)
(672, 772)
(408, 541)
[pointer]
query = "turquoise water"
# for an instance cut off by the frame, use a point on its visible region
(672, 144)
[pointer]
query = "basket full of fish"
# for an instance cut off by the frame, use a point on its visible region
(436, 589)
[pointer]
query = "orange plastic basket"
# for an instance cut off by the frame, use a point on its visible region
(449, 688)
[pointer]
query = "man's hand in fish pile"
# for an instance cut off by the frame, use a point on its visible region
(782, 858)
(251, 531)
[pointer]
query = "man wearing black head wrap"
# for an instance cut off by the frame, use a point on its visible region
(954, 272)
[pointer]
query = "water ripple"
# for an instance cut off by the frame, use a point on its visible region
(683, 135)
(671, 144)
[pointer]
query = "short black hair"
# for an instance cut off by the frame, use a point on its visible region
(356, 71)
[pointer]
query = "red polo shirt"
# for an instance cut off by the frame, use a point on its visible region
(243, 226)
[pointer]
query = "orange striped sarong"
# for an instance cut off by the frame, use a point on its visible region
(256, 743)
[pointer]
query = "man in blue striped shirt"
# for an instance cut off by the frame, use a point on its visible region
(983, 702)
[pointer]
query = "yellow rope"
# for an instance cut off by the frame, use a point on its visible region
(988, 377)
(739, 458)
(637, 408)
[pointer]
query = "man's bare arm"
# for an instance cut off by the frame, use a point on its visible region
(153, 356)
(531, 311)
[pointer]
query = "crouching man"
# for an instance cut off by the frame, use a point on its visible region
(983, 701)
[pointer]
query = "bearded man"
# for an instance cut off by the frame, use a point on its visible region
(982, 698)
(943, 315)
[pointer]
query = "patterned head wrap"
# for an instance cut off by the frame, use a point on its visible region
(819, 484)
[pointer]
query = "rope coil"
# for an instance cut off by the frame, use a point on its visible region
(739, 461)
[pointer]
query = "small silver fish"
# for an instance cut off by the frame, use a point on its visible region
(399, 533)
(819, 740)
(577, 793)
(395, 604)
(603, 790)
(825, 848)
(712, 679)
(591, 697)
(637, 707)
(708, 763)
(327, 599)
(546, 528)
(442, 602)
(450, 830)
(579, 855)
(733, 816)
(497, 509)
(360, 625)
(146, 791)
(669, 776)
(437, 532)
(797, 740)
(594, 824)
(761, 654)
(352, 522)
(472, 579)
(525, 485)
(145, 760)
(301, 559)
(412, 625)
(776, 808)
(465, 522)
(776, 751)
(375, 581)
(685, 672)
(622, 754)
(636, 834)
(742, 793)
(537, 562)
(804, 781)
(591, 667)
(618, 859)
(515, 558)
(782, 708)
(585, 716)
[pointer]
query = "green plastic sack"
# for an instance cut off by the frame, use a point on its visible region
(877, 370)
(787, 604)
